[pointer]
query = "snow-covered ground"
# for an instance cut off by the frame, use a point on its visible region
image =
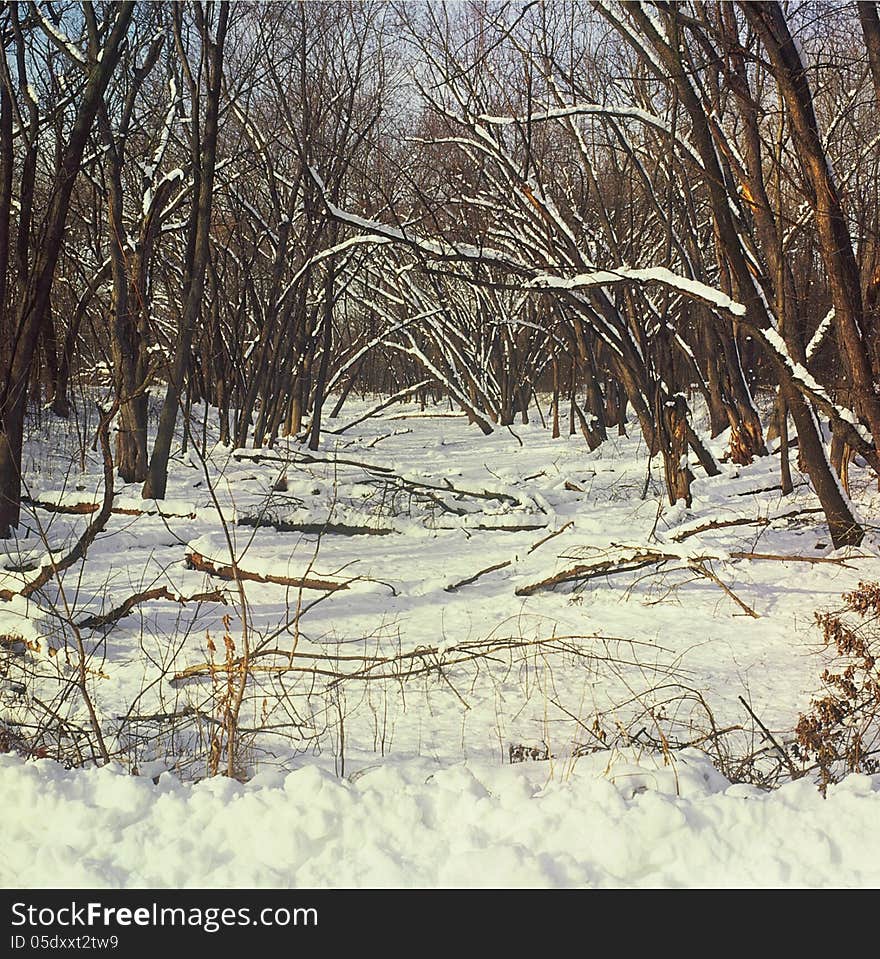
(381, 718)
(611, 820)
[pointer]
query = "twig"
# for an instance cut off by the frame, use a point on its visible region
(772, 739)
(704, 570)
(509, 562)
(552, 535)
(452, 587)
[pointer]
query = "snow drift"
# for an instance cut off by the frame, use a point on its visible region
(610, 819)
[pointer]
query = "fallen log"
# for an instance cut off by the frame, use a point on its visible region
(484, 527)
(585, 571)
(133, 511)
(337, 529)
(202, 564)
(85, 509)
(744, 521)
(159, 592)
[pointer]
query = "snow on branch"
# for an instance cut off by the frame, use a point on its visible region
(657, 274)
(645, 117)
(694, 289)
(818, 337)
(58, 37)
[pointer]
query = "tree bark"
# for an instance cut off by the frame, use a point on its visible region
(34, 302)
(157, 474)
(835, 242)
(871, 31)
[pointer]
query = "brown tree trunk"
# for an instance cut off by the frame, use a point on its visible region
(844, 529)
(843, 526)
(326, 347)
(835, 243)
(672, 418)
(157, 474)
(131, 436)
(34, 301)
(871, 30)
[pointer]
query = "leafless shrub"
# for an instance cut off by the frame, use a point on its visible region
(840, 734)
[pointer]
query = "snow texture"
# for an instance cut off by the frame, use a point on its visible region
(618, 820)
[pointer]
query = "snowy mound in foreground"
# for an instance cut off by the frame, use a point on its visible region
(611, 820)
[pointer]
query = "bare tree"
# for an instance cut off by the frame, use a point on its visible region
(204, 79)
(23, 325)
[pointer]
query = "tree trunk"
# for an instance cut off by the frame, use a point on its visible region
(326, 347)
(871, 30)
(842, 524)
(835, 243)
(34, 301)
(157, 474)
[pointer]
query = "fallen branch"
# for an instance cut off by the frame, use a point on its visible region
(767, 489)
(338, 529)
(585, 571)
(452, 587)
(640, 559)
(198, 561)
(133, 511)
(744, 521)
(409, 663)
(521, 528)
(300, 457)
(491, 569)
(426, 416)
(378, 439)
(547, 538)
(160, 592)
(383, 472)
(704, 570)
(406, 483)
(792, 769)
(84, 509)
(785, 558)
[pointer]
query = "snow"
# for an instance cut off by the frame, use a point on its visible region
(386, 760)
(598, 109)
(803, 375)
(61, 39)
(659, 274)
(619, 820)
(822, 331)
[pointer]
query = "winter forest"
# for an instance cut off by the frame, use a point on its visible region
(438, 443)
